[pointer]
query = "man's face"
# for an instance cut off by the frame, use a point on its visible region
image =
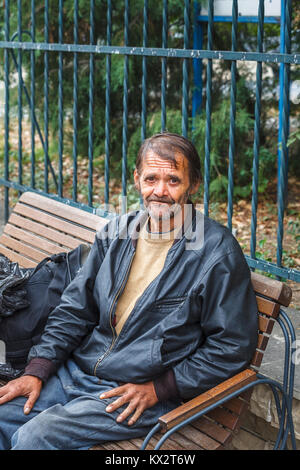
(164, 187)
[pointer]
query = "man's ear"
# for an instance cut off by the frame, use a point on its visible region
(194, 187)
(136, 177)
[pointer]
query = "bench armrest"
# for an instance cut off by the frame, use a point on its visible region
(184, 411)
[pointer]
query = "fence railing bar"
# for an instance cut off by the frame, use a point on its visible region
(208, 109)
(91, 107)
(22, 188)
(185, 82)
(75, 102)
(256, 144)
(32, 101)
(37, 127)
(282, 189)
(6, 113)
(46, 97)
(20, 103)
(268, 57)
(164, 65)
(144, 73)
(107, 103)
(272, 268)
(197, 66)
(232, 117)
(125, 109)
(60, 102)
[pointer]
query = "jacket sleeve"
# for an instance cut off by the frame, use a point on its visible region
(228, 320)
(73, 318)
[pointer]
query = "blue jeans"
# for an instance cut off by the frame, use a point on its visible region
(70, 415)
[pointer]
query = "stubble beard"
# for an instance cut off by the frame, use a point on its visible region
(166, 214)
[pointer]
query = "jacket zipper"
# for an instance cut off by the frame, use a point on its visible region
(110, 317)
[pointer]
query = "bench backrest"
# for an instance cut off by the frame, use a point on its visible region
(271, 295)
(40, 226)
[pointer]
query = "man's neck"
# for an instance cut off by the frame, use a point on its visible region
(168, 225)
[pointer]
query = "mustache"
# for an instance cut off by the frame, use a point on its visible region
(161, 199)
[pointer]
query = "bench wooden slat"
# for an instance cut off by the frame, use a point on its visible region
(236, 405)
(185, 443)
(205, 399)
(23, 248)
(267, 307)
(49, 233)
(56, 223)
(31, 239)
(127, 445)
(68, 212)
(262, 342)
(265, 324)
(199, 438)
(272, 288)
(16, 257)
(224, 417)
(169, 444)
(111, 445)
(139, 442)
(257, 359)
(213, 429)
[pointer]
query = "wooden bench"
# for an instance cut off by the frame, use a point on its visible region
(39, 226)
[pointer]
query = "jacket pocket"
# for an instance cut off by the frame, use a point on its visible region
(169, 304)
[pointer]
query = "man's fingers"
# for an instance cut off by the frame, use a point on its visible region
(4, 390)
(114, 392)
(7, 396)
(116, 404)
(8, 392)
(25, 386)
(135, 416)
(132, 409)
(30, 402)
(139, 397)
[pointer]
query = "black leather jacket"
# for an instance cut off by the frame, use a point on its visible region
(197, 318)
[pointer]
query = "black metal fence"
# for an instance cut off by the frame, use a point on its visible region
(28, 38)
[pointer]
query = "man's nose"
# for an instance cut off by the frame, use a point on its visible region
(161, 189)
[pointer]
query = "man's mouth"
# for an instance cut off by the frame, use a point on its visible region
(161, 201)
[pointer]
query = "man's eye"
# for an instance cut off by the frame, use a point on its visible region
(174, 180)
(150, 178)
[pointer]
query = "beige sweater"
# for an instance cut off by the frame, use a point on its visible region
(148, 262)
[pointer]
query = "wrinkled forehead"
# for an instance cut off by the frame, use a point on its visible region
(173, 162)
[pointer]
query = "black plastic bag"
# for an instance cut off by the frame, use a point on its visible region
(12, 287)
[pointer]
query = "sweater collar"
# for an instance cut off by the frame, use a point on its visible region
(142, 218)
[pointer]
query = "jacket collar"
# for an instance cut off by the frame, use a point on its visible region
(143, 216)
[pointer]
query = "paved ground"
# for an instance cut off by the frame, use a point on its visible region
(272, 365)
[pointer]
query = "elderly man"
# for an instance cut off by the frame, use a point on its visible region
(162, 310)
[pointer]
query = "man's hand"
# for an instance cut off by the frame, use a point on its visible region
(138, 396)
(25, 386)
